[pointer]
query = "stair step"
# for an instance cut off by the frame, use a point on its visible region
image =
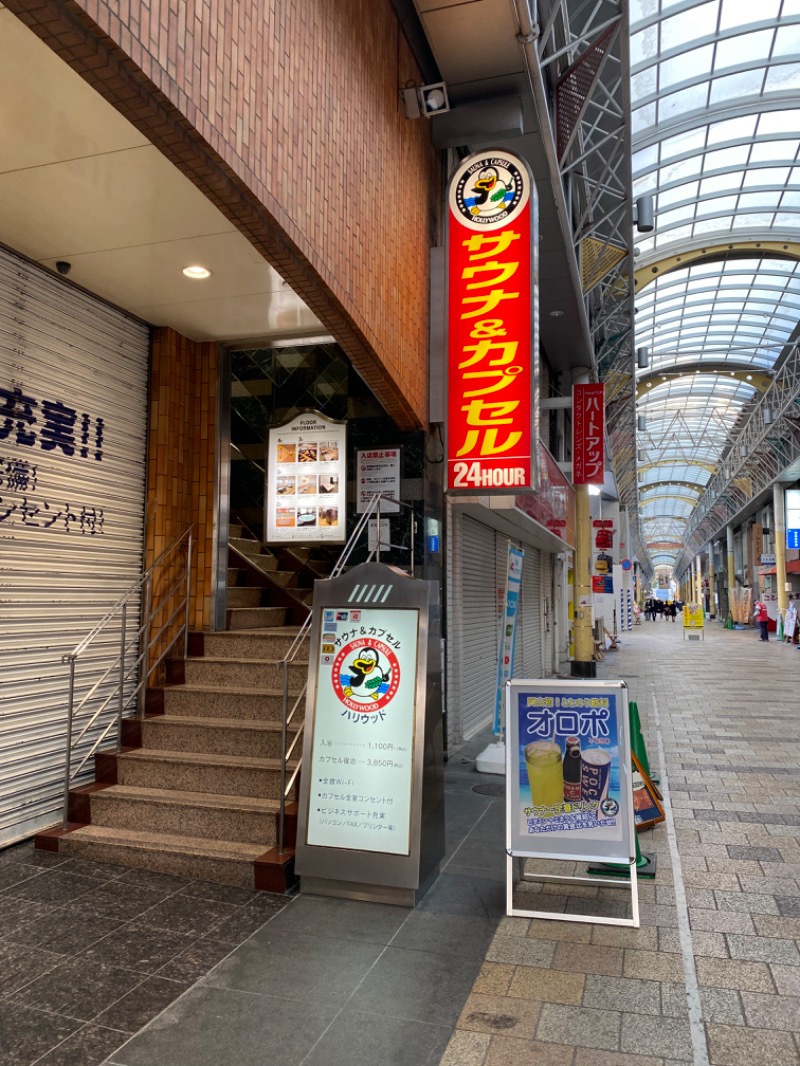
(235, 530)
(246, 545)
(226, 775)
(284, 578)
(271, 643)
(243, 597)
(244, 673)
(211, 702)
(212, 736)
(255, 617)
(194, 814)
(219, 861)
(267, 563)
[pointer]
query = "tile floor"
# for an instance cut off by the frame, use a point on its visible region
(100, 965)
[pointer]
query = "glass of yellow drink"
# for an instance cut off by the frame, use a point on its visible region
(545, 774)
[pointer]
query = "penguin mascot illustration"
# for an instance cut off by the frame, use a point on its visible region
(487, 187)
(366, 677)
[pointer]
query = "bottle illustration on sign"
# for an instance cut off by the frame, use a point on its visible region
(595, 773)
(572, 770)
(545, 775)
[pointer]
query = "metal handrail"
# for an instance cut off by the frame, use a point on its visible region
(135, 653)
(373, 508)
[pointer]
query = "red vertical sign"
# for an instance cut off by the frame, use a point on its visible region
(588, 434)
(492, 419)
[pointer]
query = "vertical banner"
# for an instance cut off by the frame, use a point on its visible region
(603, 555)
(588, 434)
(508, 631)
(493, 326)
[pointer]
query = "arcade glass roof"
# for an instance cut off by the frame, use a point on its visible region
(714, 89)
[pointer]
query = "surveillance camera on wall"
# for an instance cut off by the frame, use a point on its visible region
(63, 267)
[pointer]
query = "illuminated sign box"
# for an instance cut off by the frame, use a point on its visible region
(371, 822)
(493, 340)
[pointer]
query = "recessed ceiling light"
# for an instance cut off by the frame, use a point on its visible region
(556, 314)
(197, 272)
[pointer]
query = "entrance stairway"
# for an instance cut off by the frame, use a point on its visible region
(194, 789)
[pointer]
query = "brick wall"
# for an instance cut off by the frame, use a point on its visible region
(286, 114)
(182, 460)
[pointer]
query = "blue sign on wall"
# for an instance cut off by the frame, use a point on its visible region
(793, 538)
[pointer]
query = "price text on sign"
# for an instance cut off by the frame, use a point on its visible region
(588, 432)
(492, 329)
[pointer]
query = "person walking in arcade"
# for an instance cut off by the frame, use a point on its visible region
(762, 617)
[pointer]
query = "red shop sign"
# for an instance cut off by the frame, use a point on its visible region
(588, 434)
(493, 342)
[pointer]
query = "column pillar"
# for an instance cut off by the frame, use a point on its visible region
(712, 607)
(583, 665)
(779, 507)
(731, 566)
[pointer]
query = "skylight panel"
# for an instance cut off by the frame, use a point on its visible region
(688, 26)
(744, 48)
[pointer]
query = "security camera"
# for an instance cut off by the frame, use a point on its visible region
(63, 267)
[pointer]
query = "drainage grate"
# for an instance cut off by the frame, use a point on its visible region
(489, 790)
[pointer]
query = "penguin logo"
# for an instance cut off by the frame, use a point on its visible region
(366, 675)
(489, 190)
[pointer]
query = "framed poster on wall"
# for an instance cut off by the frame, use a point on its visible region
(306, 489)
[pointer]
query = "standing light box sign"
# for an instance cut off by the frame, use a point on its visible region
(568, 784)
(371, 822)
(588, 434)
(306, 490)
(493, 343)
(364, 731)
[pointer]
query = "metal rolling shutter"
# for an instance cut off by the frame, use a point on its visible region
(531, 615)
(548, 634)
(71, 525)
(477, 647)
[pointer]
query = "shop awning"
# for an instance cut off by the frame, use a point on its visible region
(792, 567)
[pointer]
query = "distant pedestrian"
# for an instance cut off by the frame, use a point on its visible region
(659, 608)
(762, 617)
(672, 610)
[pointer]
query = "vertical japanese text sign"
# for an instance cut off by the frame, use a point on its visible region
(493, 342)
(588, 434)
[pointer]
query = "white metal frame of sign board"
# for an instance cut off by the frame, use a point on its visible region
(588, 818)
(371, 822)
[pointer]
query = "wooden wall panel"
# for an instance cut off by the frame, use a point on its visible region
(182, 457)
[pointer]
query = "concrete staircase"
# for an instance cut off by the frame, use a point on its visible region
(195, 788)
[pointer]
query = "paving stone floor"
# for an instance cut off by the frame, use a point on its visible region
(90, 952)
(713, 974)
(98, 961)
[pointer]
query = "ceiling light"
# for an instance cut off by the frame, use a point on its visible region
(556, 314)
(197, 272)
(749, 377)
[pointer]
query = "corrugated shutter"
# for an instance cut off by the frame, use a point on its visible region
(73, 410)
(531, 615)
(548, 614)
(477, 645)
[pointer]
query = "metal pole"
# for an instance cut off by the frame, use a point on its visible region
(413, 530)
(378, 511)
(284, 746)
(68, 770)
(778, 505)
(146, 644)
(731, 561)
(188, 593)
(121, 684)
